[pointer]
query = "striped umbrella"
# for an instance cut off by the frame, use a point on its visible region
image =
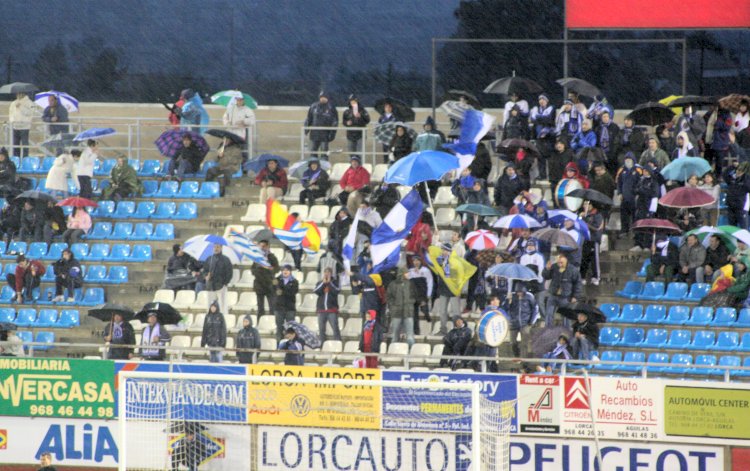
(201, 247)
(516, 221)
(228, 97)
(384, 132)
(65, 100)
(171, 141)
(482, 239)
(94, 133)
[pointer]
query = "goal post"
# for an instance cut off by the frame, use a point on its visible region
(170, 420)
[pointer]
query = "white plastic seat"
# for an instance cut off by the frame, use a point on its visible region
(378, 172)
(417, 351)
(164, 296)
(437, 352)
(197, 325)
(232, 299)
(318, 213)
(309, 304)
(311, 322)
(182, 326)
(300, 209)
(137, 325)
(267, 345)
(311, 260)
(267, 325)
(396, 348)
(445, 216)
(256, 212)
(183, 299)
(293, 194)
(337, 171)
(246, 279)
(445, 197)
(178, 342)
(201, 302)
(247, 302)
(352, 304)
(311, 280)
(352, 328)
(350, 351)
(236, 272)
(196, 343)
(323, 237)
(230, 345)
(278, 253)
(403, 190)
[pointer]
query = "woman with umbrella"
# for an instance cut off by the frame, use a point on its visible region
(79, 224)
(154, 336)
(187, 159)
(119, 332)
(272, 181)
(123, 181)
(315, 181)
(228, 162)
(647, 194)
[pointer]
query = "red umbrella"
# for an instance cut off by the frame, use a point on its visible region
(78, 202)
(657, 225)
(686, 197)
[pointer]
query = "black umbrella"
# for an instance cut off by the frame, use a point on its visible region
(544, 340)
(592, 195)
(36, 195)
(512, 145)
(6, 326)
(59, 140)
(106, 312)
(401, 110)
(579, 86)
(165, 313)
(510, 85)
(571, 311)
(306, 336)
(18, 87)
(456, 95)
(223, 133)
(651, 113)
(693, 100)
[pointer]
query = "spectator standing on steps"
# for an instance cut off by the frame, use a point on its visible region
(20, 113)
(217, 270)
(327, 305)
(154, 335)
(264, 277)
(248, 337)
(400, 299)
(239, 118)
(372, 337)
(323, 114)
(85, 168)
(214, 333)
(565, 286)
(118, 332)
(357, 118)
(286, 287)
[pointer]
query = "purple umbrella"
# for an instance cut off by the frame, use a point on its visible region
(171, 141)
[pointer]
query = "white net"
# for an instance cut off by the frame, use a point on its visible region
(216, 422)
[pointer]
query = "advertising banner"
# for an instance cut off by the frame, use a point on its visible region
(707, 412)
(42, 387)
(539, 405)
(324, 405)
(431, 409)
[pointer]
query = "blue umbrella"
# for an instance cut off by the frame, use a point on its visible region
(511, 271)
(557, 218)
(201, 247)
(684, 167)
(516, 221)
(65, 100)
(421, 166)
(257, 164)
(94, 133)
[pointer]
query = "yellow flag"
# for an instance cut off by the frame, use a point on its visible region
(460, 270)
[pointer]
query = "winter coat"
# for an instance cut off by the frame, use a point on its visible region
(457, 339)
(361, 122)
(368, 291)
(127, 338)
(693, 125)
(247, 337)
(63, 268)
(577, 174)
(191, 154)
(543, 121)
(184, 262)
(61, 114)
(220, 269)
(609, 146)
(356, 178)
(583, 139)
(419, 239)
(57, 177)
(481, 166)
(56, 217)
(231, 160)
(328, 297)
(716, 258)
(400, 298)
(337, 233)
(277, 177)
(595, 220)
(400, 146)
(214, 330)
(568, 123)
(428, 141)
(630, 140)
(263, 282)
(477, 197)
(588, 329)
(646, 189)
(384, 199)
(566, 284)
(557, 162)
(21, 112)
(193, 115)
(286, 294)
(291, 358)
(722, 126)
(147, 341)
(507, 188)
(672, 259)
(322, 115)
(627, 180)
(515, 127)
(239, 118)
(661, 157)
(604, 184)
(737, 188)
(7, 172)
(521, 311)
(319, 178)
(21, 272)
(377, 332)
(692, 257)
(124, 179)
(85, 164)
(81, 220)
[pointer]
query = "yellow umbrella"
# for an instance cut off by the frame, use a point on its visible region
(666, 101)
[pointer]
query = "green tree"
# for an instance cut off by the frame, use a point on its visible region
(51, 67)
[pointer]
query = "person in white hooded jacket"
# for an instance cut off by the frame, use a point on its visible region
(22, 110)
(239, 117)
(64, 166)
(85, 168)
(532, 259)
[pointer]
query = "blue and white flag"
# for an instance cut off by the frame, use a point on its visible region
(386, 239)
(291, 237)
(245, 246)
(347, 252)
(474, 127)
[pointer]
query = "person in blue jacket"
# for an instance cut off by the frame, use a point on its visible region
(627, 180)
(193, 116)
(583, 138)
(291, 344)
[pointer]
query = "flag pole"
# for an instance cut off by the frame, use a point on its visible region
(432, 210)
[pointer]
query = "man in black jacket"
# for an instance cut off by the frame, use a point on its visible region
(665, 260)
(67, 276)
(586, 338)
(355, 116)
(188, 159)
(119, 332)
(738, 187)
(564, 288)
(287, 288)
(214, 333)
(248, 337)
(384, 198)
(7, 171)
(217, 270)
(455, 342)
(322, 113)
(327, 305)
(508, 186)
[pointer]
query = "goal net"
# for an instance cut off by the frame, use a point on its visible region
(215, 422)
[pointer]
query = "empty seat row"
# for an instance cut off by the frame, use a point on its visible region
(678, 339)
(41, 337)
(146, 210)
(29, 317)
(82, 251)
(83, 297)
(186, 189)
(679, 363)
(128, 231)
(657, 291)
(677, 315)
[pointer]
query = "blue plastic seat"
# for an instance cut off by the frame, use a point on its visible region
(675, 292)
(656, 362)
(743, 319)
(93, 297)
(697, 292)
(9, 269)
(26, 317)
(209, 190)
(15, 248)
(744, 345)
(106, 167)
(45, 296)
(149, 168)
(40, 185)
(163, 231)
(69, 318)
(631, 291)
(727, 341)
(142, 231)
(186, 210)
(96, 274)
(7, 314)
(632, 336)
(652, 291)
(165, 210)
(30, 165)
(7, 294)
(207, 165)
(655, 314)
(655, 338)
(745, 364)
(80, 250)
(44, 337)
(105, 209)
(124, 210)
(118, 274)
(119, 253)
(36, 250)
(703, 340)
(46, 318)
(135, 164)
(167, 189)
(677, 315)
(631, 313)
(55, 251)
(188, 189)
(725, 317)
(49, 275)
(47, 164)
(608, 355)
(145, 209)
(141, 253)
(609, 336)
(681, 363)
(150, 187)
(98, 252)
(73, 187)
(679, 339)
(701, 316)
(100, 231)
(16, 161)
(611, 310)
(730, 361)
(704, 360)
(642, 272)
(26, 336)
(122, 231)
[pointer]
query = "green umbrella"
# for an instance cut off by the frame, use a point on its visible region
(223, 98)
(703, 233)
(740, 234)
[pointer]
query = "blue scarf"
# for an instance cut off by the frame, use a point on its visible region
(117, 330)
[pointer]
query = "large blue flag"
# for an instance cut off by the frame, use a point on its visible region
(474, 127)
(386, 239)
